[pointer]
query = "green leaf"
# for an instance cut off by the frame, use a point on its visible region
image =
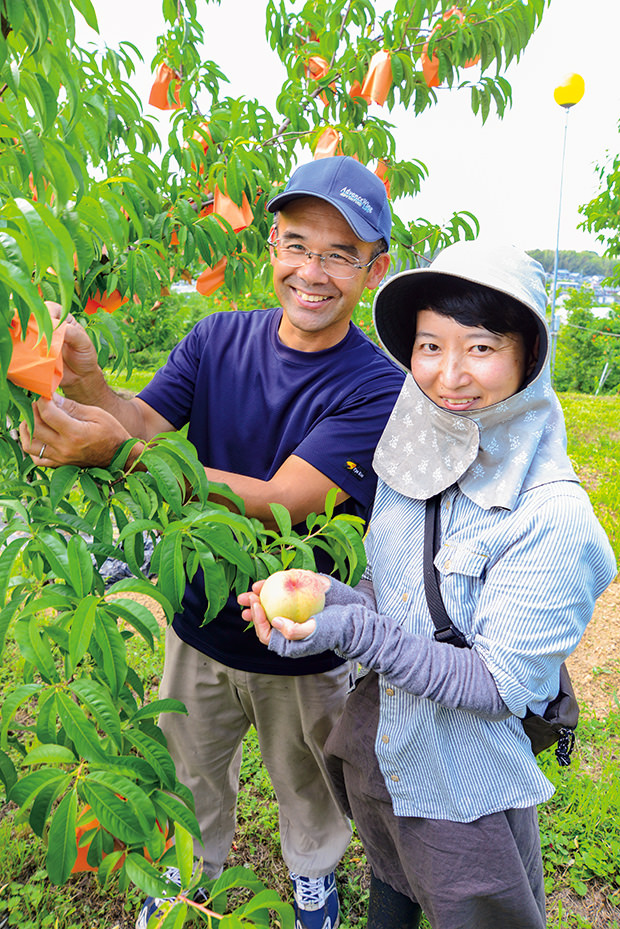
(147, 878)
(82, 625)
(34, 150)
(282, 518)
(80, 565)
(155, 843)
(26, 788)
(237, 877)
(221, 540)
(113, 651)
(55, 550)
(330, 502)
(36, 648)
(176, 812)
(62, 480)
(138, 586)
(137, 800)
(171, 579)
(59, 173)
(133, 550)
(157, 756)
(153, 710)
(261, 903)
(113, 813)
(177, 916)
(50, 754)
(168, 482)
(8, 556)
(46, 717)
(215, 581)
(7, 772)
(136, 614)
(99, 702)
(12, 703)
(42, 223)
(41, 809)
(62, 844)
(184, 845)
(129, 766)
(80, 730)
(108, 866)
(21, 284)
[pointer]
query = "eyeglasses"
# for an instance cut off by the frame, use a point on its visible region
(334, 264)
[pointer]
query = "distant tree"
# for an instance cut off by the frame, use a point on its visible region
(602, 213)
(585, 344)
(586, 263)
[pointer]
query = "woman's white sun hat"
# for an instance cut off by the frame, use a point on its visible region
(503, 268)
(494, 453)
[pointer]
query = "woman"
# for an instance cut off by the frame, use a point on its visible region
(437, 771)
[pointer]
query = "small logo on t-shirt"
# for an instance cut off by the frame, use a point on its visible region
(355, 469)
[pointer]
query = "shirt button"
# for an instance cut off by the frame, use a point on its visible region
(389, 691)
(446, 504)
(447, 565)
(405, 597)
(395, 777)
(385, 738)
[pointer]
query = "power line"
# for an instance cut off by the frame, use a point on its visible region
(615, 335)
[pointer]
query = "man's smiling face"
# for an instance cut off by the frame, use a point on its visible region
(317, 308)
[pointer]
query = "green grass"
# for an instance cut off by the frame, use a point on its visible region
(580, 837)
(139, 378)
(593, 429)
(580, 825)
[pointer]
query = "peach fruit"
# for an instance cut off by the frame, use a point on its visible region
(295, 594)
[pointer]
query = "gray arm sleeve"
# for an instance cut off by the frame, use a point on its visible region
(340, 594)
(453, 677)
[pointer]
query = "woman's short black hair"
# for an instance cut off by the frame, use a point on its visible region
(471, 304)
(476, 305)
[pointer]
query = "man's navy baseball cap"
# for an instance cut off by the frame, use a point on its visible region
(355, 191)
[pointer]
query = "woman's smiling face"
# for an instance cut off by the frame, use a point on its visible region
(465, 367)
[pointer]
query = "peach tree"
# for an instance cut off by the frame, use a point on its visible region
(95, 212)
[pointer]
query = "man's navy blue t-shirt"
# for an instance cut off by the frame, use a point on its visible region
(251, 402)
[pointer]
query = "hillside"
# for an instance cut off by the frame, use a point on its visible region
(586, 263)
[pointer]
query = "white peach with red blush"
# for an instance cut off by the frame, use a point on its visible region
(295, 594)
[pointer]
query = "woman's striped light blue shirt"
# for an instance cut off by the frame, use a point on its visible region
(521, 585)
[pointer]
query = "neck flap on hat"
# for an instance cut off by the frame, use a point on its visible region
(492, 454)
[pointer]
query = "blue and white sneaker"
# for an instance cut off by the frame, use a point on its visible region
(316, 902)
(152, 904)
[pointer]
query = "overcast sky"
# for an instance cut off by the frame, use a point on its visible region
(506, 172)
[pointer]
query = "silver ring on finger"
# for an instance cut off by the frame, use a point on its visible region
(42, 452)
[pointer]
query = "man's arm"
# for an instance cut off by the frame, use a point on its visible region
(87, 427)
(74, 433)
(297, 485)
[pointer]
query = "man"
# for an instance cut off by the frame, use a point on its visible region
(282, 405)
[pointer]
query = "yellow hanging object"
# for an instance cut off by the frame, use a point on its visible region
(569, 91)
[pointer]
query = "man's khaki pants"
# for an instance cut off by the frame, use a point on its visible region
(292, 716)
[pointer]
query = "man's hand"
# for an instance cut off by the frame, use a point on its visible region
(78, 355)
(78, 352)
(254, 613)
(67, 432)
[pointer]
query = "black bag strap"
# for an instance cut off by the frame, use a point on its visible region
(445, 630)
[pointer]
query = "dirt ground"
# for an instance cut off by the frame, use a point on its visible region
(595, 665)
